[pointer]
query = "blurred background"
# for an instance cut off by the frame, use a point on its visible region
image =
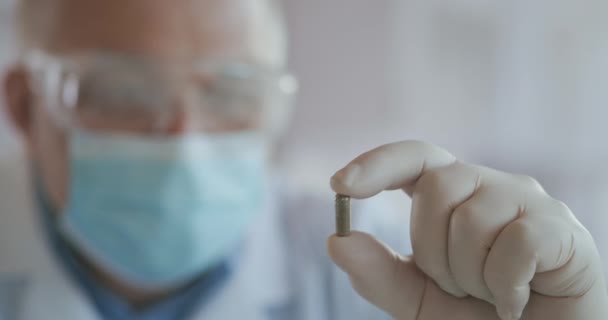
(518, 85)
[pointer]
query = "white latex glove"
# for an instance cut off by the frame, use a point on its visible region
(486, 244)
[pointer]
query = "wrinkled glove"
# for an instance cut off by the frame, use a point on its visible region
(486, 244)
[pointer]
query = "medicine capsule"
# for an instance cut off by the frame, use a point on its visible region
(342, 215)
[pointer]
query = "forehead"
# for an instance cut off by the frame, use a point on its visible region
(176, 29)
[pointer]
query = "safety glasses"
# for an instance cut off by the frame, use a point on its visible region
(126, 93)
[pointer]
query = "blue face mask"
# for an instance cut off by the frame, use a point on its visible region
(156, 212)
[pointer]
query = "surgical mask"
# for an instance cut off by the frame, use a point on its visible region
(156, 212)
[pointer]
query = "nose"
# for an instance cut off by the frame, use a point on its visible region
(190, 115)
(178, 123)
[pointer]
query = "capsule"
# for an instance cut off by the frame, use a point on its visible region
(342, 215)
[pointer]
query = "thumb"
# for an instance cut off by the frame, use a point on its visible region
(380, 275)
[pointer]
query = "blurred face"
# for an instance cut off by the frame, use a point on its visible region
(167, 40)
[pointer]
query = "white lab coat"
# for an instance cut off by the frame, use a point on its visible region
(284, 272)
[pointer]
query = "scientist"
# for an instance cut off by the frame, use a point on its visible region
(146, 189)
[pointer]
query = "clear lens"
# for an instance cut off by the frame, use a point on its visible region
(135, 95)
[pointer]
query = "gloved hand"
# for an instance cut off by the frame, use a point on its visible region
(486, 244)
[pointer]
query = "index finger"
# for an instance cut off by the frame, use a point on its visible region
(389, 167)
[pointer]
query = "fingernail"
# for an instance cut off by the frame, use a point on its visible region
(346, 176)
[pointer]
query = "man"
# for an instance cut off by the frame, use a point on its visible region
(149, 128)
(159, 118)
